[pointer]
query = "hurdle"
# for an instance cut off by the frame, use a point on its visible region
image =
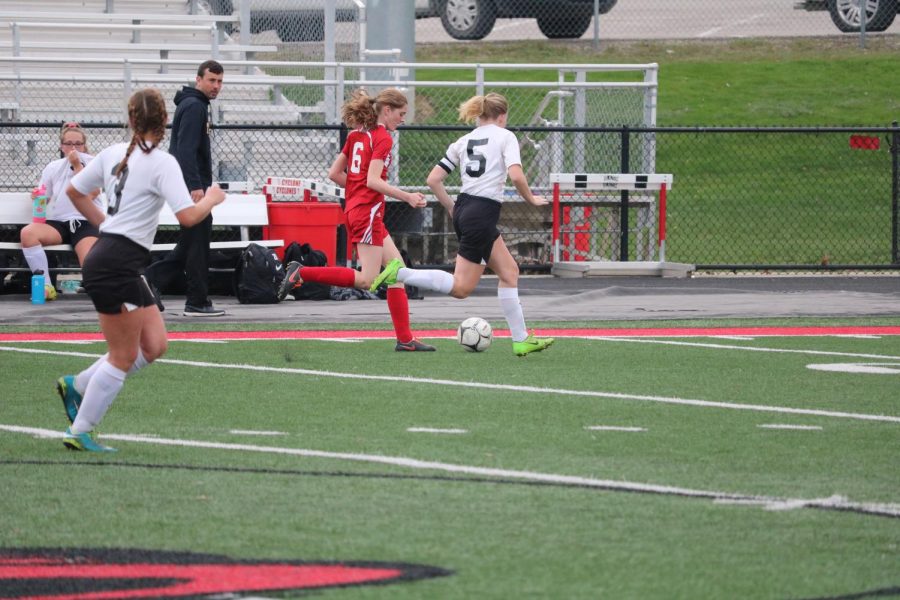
(294, 189)
(305, 210)
(612, 182)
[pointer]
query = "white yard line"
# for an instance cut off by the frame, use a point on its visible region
(858, 336)
(614, 428)
(255, 432)
(747, 348)
(786, 426)
(435, 430)
(768, 502)
(501, 387)
(868, 368)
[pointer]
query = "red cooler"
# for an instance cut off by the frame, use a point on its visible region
(313, 223)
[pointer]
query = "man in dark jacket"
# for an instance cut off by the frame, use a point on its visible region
(190, 146)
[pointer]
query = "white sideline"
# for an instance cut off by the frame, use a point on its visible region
(254, 432)
(767, 502)
(731, 347)
(497, 386)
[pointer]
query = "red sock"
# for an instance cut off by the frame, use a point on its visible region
(339, 276)
(398, 304)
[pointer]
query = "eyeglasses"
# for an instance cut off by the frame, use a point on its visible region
(72, 144)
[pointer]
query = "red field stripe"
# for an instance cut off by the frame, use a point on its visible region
(443, 333)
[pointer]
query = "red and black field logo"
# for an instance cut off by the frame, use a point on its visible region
(113, 574)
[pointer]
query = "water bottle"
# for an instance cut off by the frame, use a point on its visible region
(37, 288)
(39, 206)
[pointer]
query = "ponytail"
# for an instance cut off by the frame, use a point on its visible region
(147, 116)
(487, 107)
(362, 111)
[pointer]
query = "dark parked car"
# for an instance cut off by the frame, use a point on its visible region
(474, 19)
(880, 14)
(294, 20)
(303, 20)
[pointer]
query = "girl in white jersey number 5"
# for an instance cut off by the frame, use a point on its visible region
(138, 178)
(485, 157)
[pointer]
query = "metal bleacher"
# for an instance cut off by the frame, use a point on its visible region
(65, 60)
(47, 42)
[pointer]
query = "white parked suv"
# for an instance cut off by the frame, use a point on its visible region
(303, 20)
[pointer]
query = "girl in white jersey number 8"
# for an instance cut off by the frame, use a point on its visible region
(137, 185)
(485, 157)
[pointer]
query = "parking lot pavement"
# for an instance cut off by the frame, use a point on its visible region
(544, 298)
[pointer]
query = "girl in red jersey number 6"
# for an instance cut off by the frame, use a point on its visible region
(361, 168)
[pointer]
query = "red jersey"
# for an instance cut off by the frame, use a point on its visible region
(361, 148)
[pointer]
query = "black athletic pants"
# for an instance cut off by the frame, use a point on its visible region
(190, 257)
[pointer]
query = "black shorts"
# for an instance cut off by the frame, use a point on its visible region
(74, 230)
(475, 221)
(113, 274)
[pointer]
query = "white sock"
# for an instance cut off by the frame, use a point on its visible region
(139, 363)
(82, 379)
(429, 279)
(512, 310)
(37, 260)
(101, 391)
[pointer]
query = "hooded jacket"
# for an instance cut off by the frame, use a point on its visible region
(189, 143)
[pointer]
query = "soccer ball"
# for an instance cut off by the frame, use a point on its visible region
(475, 334)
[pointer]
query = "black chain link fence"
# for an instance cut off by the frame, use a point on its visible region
(782, 198)
(743, 198)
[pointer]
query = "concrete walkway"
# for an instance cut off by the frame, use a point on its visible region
(544, 298)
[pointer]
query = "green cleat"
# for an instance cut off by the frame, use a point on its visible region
(388, 276)
(84, 442)
(531, 344)
(71, 399)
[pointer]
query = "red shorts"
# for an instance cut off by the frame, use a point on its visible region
(365, 224)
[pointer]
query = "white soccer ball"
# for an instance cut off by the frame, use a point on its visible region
(475, 334)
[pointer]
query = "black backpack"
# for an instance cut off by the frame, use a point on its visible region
(307, 256)
(258, 275)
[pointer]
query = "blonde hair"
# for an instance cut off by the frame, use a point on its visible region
(72, 126)
(361, 110)
(147, 116)
(489, 106)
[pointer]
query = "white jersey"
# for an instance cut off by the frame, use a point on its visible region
(55, 178)
(484, 156)
(135, 199)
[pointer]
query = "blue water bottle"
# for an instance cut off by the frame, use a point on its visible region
(37, 288)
